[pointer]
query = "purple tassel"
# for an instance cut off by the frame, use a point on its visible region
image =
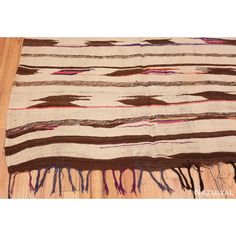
(160, 185)
(140, 181)
(115, 181)
(82, 181)
(70, 179)
(105, 182)
(87, 181)
(37, 182)
(168, 188)
(54, 180)
(59, 178)
(42, 180)
(122, 190)
(31, 187)
(134, 183)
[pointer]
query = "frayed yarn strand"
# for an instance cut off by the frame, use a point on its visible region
(105, 182)
(180, 179)
(44, 177)
(70, 180)
(122, 190)
(9, 186)
(115, 181)
(168, 188)
(200, 178)
(133, 190)
(160, 185)
(140, 181)
(191, 181)
(60, 179)
(81, 180)
(37, 182)
(31, 187)
(54, 180)
(87, 181)
(187, 185)
(42, 180)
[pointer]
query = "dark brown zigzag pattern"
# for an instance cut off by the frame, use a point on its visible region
(159, 41)
(149, 100)
(101, 43)
(59, 101)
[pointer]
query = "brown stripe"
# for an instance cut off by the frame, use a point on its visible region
(127, 67)
(122, 84)
(39, 42)
(10, 150)
(130, 55)
(42, 125)
(134, 162)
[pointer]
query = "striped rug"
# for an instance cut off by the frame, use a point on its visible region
(146, 104)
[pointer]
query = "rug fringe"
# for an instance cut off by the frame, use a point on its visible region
(115, 181)
(105, 182)
(31, 187)
(133, 190)
(140, 180)
(122, 190)
(187, 185)
(191, 181)
(186, 180)
(54, 181)
(87, 181)
(73, 188)
(201, 183)
(168, 188)
(81, 180)
(180, 179)
(159, 184)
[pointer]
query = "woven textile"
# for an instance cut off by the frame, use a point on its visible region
(126, 103)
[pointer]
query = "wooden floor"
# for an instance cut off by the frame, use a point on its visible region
(218, 178)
